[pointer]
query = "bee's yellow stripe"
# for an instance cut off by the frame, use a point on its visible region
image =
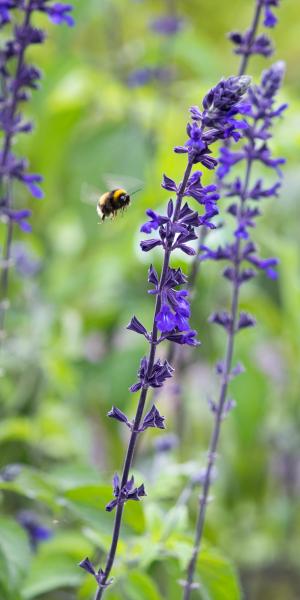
(118, 193)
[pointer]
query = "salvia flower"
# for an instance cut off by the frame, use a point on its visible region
(240, 256)
(250, 43)
(153, 419)
(270, 19)
(175, 229)
(167, 24)
(261, 116)
(146, 75)
(99, 575)
(18, 80)
(217, 119)
(125, 493)
(36, 531)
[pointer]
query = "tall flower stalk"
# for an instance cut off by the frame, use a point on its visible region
(247, 45)
(175, 229)
(241, 255)
(18, 79)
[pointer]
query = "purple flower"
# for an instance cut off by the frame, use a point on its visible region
(265, 265)
(20, 217)
(246, 46)
(116, 413)
(36, 531)
(165, 319)
(224, 101)
(26, 263)
(167, 24)
(31, 181)
(188, 338)
(169, 184)
(59, 13)
(270, 19)
(245, 320)
(166, 443)
(222, 318)
(125, 493)
(145, 75)
(136, 326)
(147, 245)
(99, 575)
(155, 377)
(155, 221)
(153, 419)
(220, 105)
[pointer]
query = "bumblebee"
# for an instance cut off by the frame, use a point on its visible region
(111, 202)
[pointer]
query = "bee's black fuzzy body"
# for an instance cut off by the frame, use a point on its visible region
(111, 202)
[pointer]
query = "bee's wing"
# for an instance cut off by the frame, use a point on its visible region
(89, 194)
(126, 182)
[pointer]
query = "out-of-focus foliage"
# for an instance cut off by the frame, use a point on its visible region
(67, 357)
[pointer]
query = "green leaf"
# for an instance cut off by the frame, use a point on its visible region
(140, 585)
(14, 558)
(89, 501)
(176, 520)
(33, 484)
(50, 573)
(217, 577)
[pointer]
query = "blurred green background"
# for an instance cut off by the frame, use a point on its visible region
(68, 357)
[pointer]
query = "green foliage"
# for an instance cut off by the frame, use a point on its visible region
(68, 357)
(217, 577)
(14, 559)
(50, 573)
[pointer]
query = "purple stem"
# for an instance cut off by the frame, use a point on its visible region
(253, 30)
(220, 405)
(143, 396)
(6, 150)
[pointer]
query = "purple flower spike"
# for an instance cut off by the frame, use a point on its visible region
(259, 113)
(19, 80)
(174, 229)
